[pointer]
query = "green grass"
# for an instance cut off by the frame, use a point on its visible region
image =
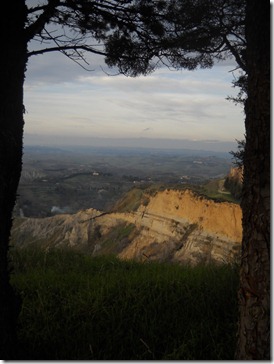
(82, 308)
(213, 190)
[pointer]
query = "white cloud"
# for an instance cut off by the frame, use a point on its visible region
(62, 99)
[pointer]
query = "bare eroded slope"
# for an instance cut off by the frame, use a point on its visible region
(171, 226)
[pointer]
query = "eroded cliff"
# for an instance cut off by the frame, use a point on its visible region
(172, 225)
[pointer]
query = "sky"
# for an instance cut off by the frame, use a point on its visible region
(66, 104)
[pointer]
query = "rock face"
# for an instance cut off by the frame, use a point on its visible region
(234, 181)
(173, 225)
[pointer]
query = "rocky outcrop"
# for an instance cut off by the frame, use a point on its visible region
(234, 182)
(173, 225)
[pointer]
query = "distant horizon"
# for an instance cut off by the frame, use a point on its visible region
(206, 145)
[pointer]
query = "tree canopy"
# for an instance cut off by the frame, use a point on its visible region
(139, 35)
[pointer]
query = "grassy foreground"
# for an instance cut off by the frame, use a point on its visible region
(78, 307)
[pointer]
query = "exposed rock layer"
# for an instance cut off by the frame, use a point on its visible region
(172, 226)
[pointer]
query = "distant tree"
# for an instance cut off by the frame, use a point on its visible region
(136, 36)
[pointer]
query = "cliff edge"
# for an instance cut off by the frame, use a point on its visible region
(172, 225)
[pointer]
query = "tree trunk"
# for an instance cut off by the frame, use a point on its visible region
(254, 293)
(12, 71)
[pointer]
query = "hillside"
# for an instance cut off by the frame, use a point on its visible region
(234, 181)
(166, 225)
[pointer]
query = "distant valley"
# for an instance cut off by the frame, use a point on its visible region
(67, 180)
(167, 205)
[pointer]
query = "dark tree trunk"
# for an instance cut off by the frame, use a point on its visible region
(254, 294)
(12, 70)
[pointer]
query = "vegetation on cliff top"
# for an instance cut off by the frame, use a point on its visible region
(137, 196)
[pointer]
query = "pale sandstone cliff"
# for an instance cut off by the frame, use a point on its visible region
(182, 226)
(173, 226)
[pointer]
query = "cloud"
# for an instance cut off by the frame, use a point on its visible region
(60, 98)
(56, 68)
